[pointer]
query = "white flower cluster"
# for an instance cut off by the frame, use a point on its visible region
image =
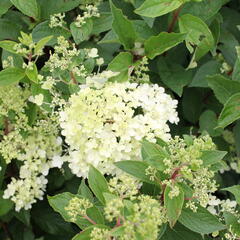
(90, 11)
(106, 125)
(38, 152)
(57, 20)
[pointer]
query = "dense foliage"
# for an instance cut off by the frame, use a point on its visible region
(120, 119)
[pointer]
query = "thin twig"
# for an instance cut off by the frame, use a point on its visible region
(174, 19)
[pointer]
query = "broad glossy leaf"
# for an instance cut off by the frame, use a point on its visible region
(11, 75)
(174, 75)
(135, 168)
(223, 87)
(28, 7)
(123, 28)
(4, 6)
(198, 34)
(159, 44)
(5, 205)
(81, 33)
(230, 112)
(235, 190)
(32, 73)
(209, 68)
(208, 122)
(202, 221)
(173, 205)
(212, 156)
(8, 45)
(97, 183)
(40, 44)
(121, 63)
(43, 30)
(156, 8)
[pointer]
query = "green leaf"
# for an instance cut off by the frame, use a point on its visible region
(121, 64)
(179, 232)
(223, 87)
(157, 45)
(5, 205)
(205, 9)
(208, 122)
(51, 222)
(81, 33)
(97, 183)
(156, 8)
(4, 6)
(11, 75)
(40, 44)
(85, 191)
(192, 104)
(173, 205)
(208, 68)
(102, 23)
(60, 201)
(202, 221)
(86, 234)
(235, 190)
(212, 156)
(8, 45)
(135, 168)
(198, 34)
(154, 154)
(230, 112)
(236, 69)
(32, 73)
(23, 216)
(9, 29)
(28, 7)
(57, 6)
(174, 75)
(43, 30)
(3, 169)
(123, 28)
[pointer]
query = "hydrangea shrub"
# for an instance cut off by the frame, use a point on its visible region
(119, 120)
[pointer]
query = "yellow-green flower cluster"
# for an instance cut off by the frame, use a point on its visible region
(106, 125)
(124, 186)
(139, 72)
(184, 164)
(100, 234)
(57, 20)
(78, 207)
(113, 209)
(144, 221)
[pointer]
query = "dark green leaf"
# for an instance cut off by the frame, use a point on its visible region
(157, 45)
(123, 28)
(121, 64)
(97, 183)
(212, 156)
(29, 7)
(202, 221)
(173, 205)
(223, 87)
(230, 112)
(5, 205)
(81, 33)
(135, 168)
(11, 75)
(235, 190)
(156, 8)
(32, 73)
